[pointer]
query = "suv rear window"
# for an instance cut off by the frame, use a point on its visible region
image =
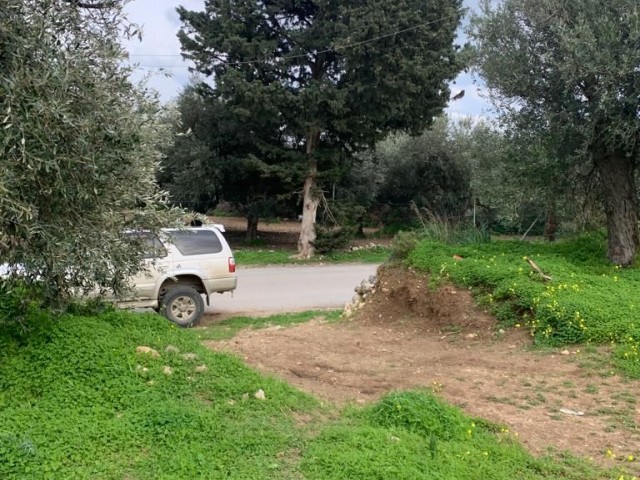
(198, 242)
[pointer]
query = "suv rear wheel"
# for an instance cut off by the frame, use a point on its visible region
(182, 305)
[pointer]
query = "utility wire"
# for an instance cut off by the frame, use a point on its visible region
(303, 55)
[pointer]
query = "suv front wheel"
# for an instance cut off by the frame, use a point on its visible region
(183, 306)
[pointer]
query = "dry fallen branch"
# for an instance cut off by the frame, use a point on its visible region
(533, 265)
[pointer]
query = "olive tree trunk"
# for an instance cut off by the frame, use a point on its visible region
(252, 228)
(617, 175)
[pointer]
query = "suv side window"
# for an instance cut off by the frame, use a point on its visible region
(198, 242)
(151, 244)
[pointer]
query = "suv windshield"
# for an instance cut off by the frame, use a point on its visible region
(198, 242)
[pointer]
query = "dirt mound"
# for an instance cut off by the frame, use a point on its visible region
(404, 297)
(409, 335)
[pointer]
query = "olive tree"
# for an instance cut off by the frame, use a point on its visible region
(570, 68)
(77, 147)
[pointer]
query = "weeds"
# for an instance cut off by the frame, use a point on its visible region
(77, 401)
(588, 300)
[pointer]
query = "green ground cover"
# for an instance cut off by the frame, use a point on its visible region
(588, 300)
(77, 401)
(257, 257)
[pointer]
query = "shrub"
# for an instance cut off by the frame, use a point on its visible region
(419, 412)
(331, 240)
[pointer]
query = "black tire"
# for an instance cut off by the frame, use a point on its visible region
(183, 306)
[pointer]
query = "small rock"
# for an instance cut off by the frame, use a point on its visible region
(150, 382)
(189, 356)
(260, 395)
(567, 411)
(167, 370)
(171, 349)
(501, 331)
(201, 368)
(147, 351)
(393, 438)
(564, 352)
(245, 396)
(231, 402)
(472, 335)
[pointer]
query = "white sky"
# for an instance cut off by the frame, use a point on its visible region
(158, 54)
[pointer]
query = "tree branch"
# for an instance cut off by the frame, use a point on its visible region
(98, 6)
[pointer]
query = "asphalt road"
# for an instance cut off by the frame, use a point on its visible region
(267, 290)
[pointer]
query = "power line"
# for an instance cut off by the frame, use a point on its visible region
(303, 55)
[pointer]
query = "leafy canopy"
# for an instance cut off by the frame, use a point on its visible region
(77, 146)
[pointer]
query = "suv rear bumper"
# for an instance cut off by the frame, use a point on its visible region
(219, 285)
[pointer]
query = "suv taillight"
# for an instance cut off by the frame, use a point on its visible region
(232, 265)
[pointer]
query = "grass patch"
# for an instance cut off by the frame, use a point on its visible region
(77, 401)
(422, 437)
(257, 257)
(588, 300)
(228, 328)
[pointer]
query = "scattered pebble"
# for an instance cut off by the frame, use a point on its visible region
(201, 368)
(167, 370)
(567, 411)
(147, 351)
(171, 349)
(189, 356)
(260, 395)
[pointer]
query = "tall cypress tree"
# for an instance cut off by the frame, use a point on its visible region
(335, 76)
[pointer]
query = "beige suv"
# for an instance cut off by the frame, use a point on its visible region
(180, 267)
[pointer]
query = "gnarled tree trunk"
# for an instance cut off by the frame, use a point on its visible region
(617, 172)
(252, 228)
(551, 223)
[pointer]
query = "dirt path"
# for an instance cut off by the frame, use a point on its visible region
(410, 337)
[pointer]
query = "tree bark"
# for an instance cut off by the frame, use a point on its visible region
(551, 224)
(309, 203)
(617, 176)
(252, 228)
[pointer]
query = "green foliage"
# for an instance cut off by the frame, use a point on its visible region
(77, 401)
(427, 171)
(281, 257)
(565, 73)
(404, 243)
(420, 413)
(330, 240)
(587, 301)
(424, 438)
(78, 147)
(325, 79)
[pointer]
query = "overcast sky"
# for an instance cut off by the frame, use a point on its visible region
(158, 54)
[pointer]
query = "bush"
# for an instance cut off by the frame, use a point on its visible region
(331, 240)
(421, 413)
(403, 244)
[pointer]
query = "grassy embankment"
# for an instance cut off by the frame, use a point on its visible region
(587, 301)
(77, 401)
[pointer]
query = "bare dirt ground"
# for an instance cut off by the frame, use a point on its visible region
(409, 336)
(280, 234)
